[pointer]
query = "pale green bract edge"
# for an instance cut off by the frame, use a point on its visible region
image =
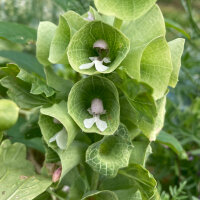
(81, 46)
(45, 33)
(17, 177)
(105, 195)
(70, 157)
(9, 112)
(124, 10)
(111, 153)
(59, 43)
(81, 96)
(59, 112)
(75, 21)
(176, 47)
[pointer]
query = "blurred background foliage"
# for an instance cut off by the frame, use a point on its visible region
(178, 178)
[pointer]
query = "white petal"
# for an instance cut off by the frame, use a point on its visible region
(87, 65)
(88, 123)
(106, 60)
(93, 58)
(99, 66)
(101, 125)
(52, 139)
(61, 139)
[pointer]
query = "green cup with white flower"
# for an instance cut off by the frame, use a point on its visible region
(97, 48)
(93, 104)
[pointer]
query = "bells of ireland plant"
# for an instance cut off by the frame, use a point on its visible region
(93, 103)
(97, 48)
(8, 114)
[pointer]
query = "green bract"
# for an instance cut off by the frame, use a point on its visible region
(81, 46)
(111, 153)
(81, 96)
(126, 9)
(8, 114)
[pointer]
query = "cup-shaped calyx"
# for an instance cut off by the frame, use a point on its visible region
(93, 103)
(8, 114)
(124, 9)
(97, 48)
(111, 153)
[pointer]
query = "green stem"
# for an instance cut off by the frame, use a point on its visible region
(117, 23)
(54, 194)
(95, 181)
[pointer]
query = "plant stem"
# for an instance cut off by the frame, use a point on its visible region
(117, 23)
(95, 180)
(54, 194)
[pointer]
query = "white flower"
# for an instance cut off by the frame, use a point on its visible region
(90, 17)
(96, 110)
(102, 49)
(98, 64)
(60, 138)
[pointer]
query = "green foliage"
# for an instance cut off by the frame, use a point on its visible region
(17, 174)
(93, 132)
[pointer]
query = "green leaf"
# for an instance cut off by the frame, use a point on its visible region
(172, 24)
(7, 45)
(126, 9)
(69, 157)
(176, 48)
(111, 153)
(140, 33)
(38, 84)
(24, 60)
(173, 143)
(81, 46)
(17, 33)
(81, 96)
(8, 114)
(128, 194)
(18, 90)
(142, 179)
(45, 33)
(98, 195)
(17, 174)
(59, 43)
(59, 112)
(140, 153)
(74, 20)
(57, 82)
(79, 6)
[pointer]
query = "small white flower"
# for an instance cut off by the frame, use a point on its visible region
(96, 110)
(60, 138)
(90, 17)
(98, 64)
(102, 48)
